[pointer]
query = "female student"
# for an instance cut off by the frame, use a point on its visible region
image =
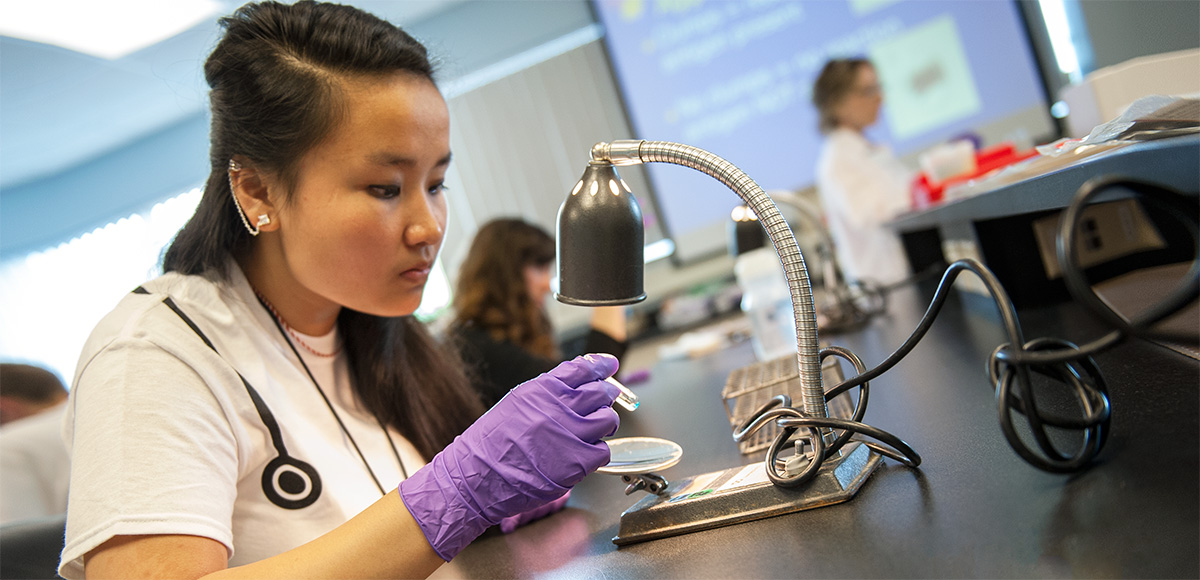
(500, 322)
(861, 184)
(250, 412)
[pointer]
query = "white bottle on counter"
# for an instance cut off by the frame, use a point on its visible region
(766, 302)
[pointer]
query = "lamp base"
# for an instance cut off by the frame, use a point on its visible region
(742, 494)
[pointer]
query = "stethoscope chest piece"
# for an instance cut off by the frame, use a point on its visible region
(290, 483)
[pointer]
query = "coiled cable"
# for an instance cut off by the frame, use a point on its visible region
(1010, 365)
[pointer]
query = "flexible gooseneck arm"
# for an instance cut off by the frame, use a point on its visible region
(633, 152)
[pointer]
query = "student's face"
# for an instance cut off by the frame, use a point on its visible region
(860, 107)
(537, 281)
(365, 221)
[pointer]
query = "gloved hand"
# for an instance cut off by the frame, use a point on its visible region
(511, 523)
(541, 439)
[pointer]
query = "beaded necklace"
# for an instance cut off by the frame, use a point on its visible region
(292, 333)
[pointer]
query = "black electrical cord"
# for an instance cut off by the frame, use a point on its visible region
(1009, 367)
(855, 302)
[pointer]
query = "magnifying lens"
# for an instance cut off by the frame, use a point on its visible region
(638, 455)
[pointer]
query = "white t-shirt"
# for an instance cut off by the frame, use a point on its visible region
(165, 439)
(33, 466)
(862, 186)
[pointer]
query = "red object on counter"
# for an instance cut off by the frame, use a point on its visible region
(926, 194)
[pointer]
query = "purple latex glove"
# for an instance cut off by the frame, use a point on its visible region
(541, 439)
(507, 525)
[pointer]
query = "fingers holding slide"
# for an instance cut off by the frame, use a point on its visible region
(585, 369)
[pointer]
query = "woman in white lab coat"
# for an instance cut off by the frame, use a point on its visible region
(861, 184)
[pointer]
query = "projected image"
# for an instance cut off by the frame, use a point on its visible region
(734, 77)
(861, 7)
(926, 78)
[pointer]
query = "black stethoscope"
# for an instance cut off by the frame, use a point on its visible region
(287, 481)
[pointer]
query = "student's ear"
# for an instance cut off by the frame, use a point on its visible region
(252, 189)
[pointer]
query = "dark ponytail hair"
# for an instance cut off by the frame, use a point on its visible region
(276, 92)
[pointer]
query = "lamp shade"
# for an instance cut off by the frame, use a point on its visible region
(600, 241)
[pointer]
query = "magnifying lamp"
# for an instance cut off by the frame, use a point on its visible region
(600, 262)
